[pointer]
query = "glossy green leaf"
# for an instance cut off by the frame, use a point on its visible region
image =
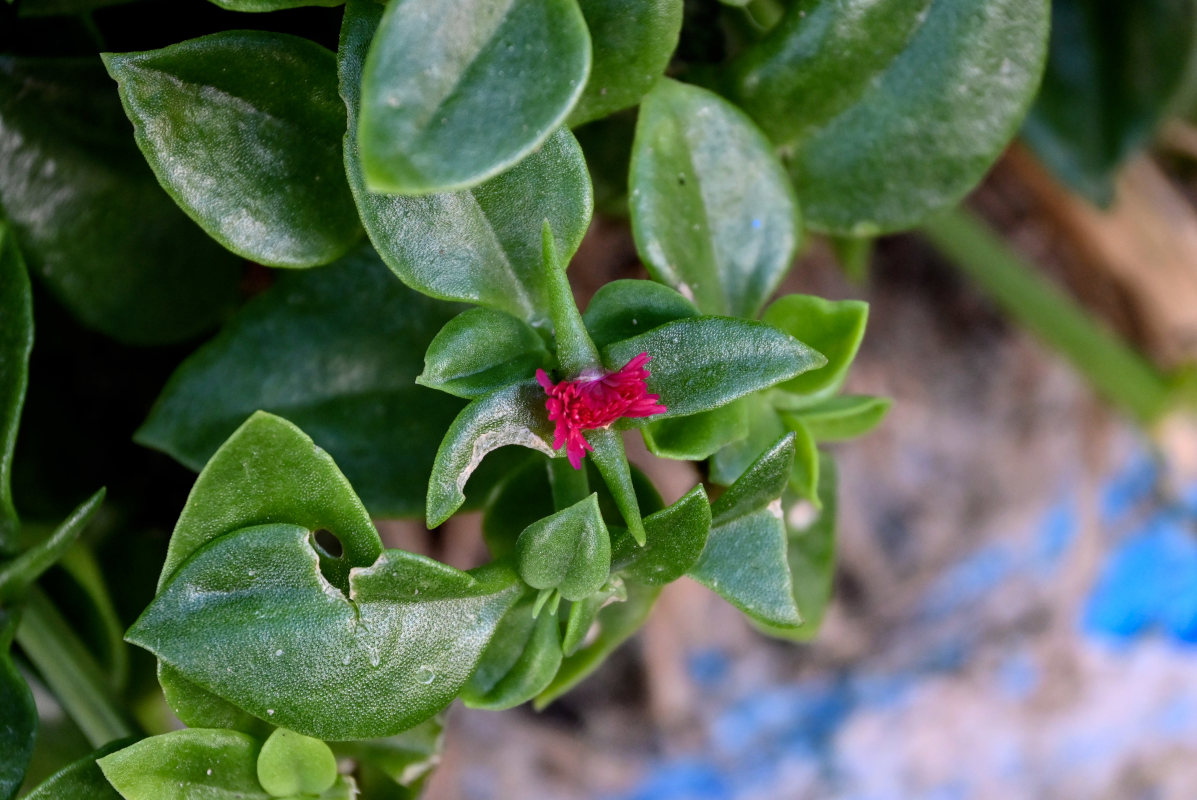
(765, 427)
(187, 765)
(676, 537)
(833, 327)
(196, 707)
(844, 417)
(706, 362)
(810, 553)
(79, 780)
(512, 415)
(569, 551)
(745, 557)
(291, 763)
(712, 209)
(633, 41)
(625, 308)
(336, 351)
(612, 462)
(451, 98)
(18, 725)
(243, 129)
(271, 471)
(519, 663)
(397, 767)
(16, 342)
(617, 623)
(576, 352)
(698, 436)
(804, 474)
(479, 351)
(895, 109)
(72, 176)
(393, 653)
(1114, 70)
(20, 573)
(481, 245)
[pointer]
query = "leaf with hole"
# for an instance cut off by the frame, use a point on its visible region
(481, 245)
(392, 653)
(243, 129)
(892, 110)
(72, 177)
(454, 96)
(712, 209)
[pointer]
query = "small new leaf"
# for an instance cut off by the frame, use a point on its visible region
(569, 551)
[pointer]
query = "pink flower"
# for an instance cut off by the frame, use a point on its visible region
(596, 402)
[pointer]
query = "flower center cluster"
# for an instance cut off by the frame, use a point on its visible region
(596, 402)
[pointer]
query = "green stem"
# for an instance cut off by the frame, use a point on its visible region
(1117, 371)
(570, 486)
(69, 670)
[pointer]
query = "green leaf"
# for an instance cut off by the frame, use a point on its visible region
(16, 342)
(576, 353)
(272, 5)
(521, 499)
(291, 763)
(1113, 74)
(583, 613)
(810, 553)
(451, 98)
(616, 624)
(18, 728)
(675, 538)
(622, 309)
(833, 327)
(397, 767)
(310, 658)
(482, 245)
(480, 351)
(706, 362)
(765, 427)
(243, 130)
(520, 661)
(745, 557)
(79, 779)
(336, 351)
(633, 41)
(72, 177)
(840, 418)
(612, 463)
(698, 436)
(270, 471)
(712, 209)
(569, 551)
(187, 765)
(892, 110)
(804, 474)
(512, 415)
(196, 707)
(20, 573)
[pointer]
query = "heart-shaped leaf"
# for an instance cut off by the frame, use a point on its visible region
(480, 351)
(520, 661)
(512, 415)
(623, 309)
(481, 245)
(706, 362)
(448, 95)
(633, 41)
(243, 129)
(745, 557)
(16, 342)
(336, 351)
(394, 652)
(894, 109)
(712, 209)
(675, 538)
(833, 327)
(79, 779)
(569, 551)
(72, 176)
(293, 764)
